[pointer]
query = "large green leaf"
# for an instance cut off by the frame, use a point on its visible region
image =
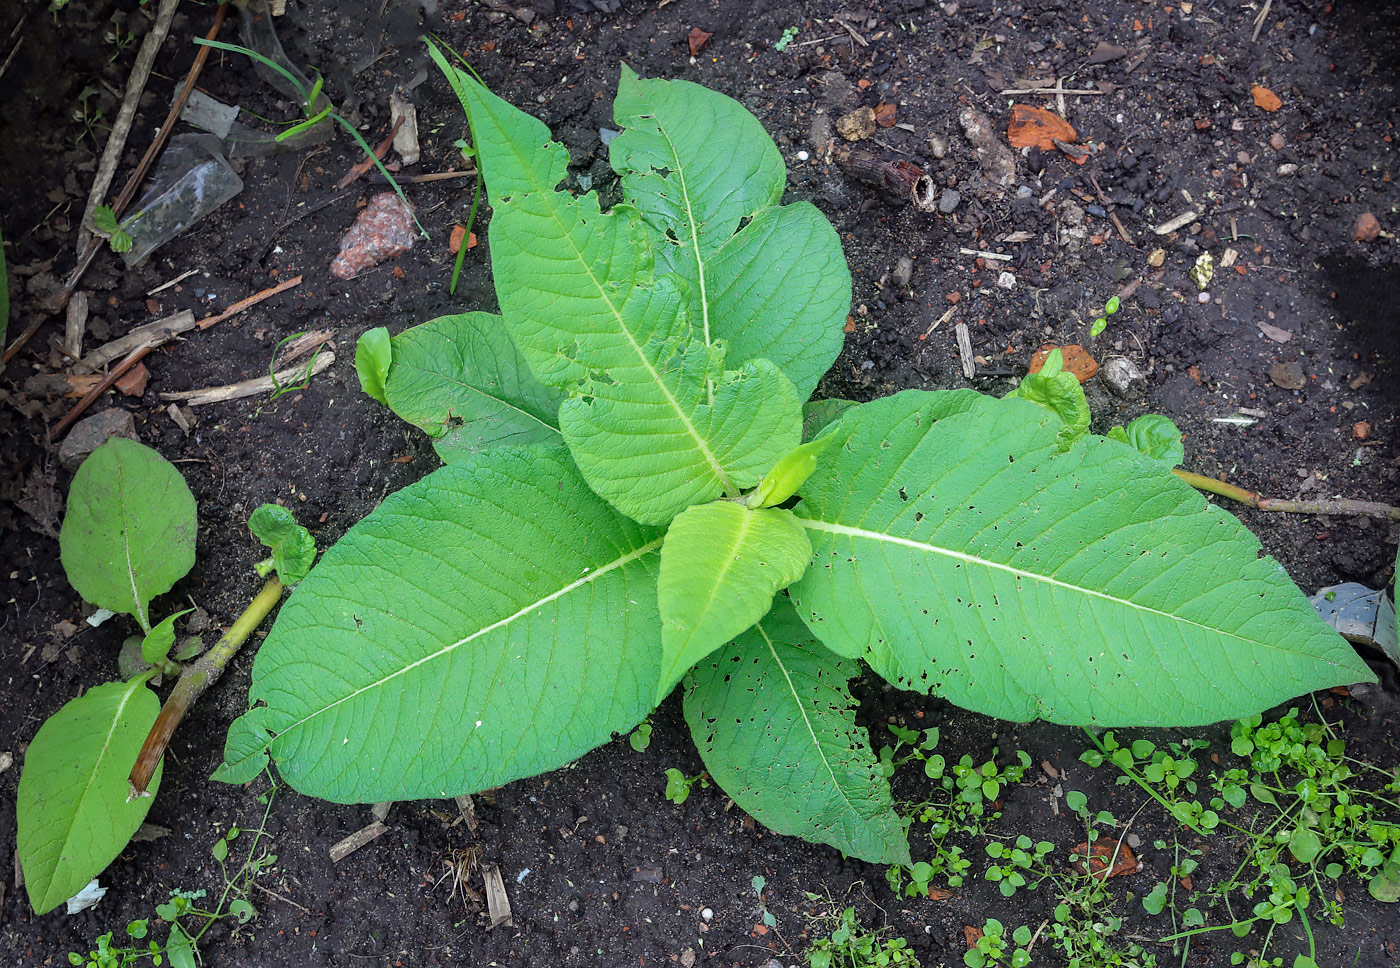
(655, 421)
(74, 817)
(720, 567)
(697, 165)
(492, 621)
(775, 724)
(461, 380)
(960, 553)
(129, 532)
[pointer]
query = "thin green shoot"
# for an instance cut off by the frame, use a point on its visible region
(277, 388)
(313, 116)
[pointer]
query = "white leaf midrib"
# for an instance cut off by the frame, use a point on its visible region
(596, 573)
(829, 527)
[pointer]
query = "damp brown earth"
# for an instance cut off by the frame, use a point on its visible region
(1283, 379)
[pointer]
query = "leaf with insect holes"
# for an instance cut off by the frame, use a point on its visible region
(721, 563)
(461, 380)
(656, 420)
(962, 551)
(129, 532)
(73, 813)
(768, 279)
(400, 666)
(774, 721)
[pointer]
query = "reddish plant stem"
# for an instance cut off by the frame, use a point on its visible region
(197, 677)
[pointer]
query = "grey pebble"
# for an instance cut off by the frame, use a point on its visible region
(949, 200)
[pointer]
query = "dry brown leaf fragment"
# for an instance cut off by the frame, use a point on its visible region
(971, 935)
(1265, 98)
(1274, 333)
(1032, 126)
(1105, 852)
(697, 39)
(1076, 360)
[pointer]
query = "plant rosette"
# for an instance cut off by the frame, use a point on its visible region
(627, 505)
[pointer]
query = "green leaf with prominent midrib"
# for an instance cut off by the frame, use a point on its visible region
(73, 812)
(461, 380)
(129, 531)
(656, 422)
(492, 621)
(962, 553)
(720, 567)
(696, 165)
(775, 724)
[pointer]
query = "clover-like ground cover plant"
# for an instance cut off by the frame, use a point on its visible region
(628, 503)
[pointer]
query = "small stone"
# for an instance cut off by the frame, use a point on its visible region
(1237, 124)
(91, 433)
(1243, 157)
(383, 230)
(938, 145)
(903, 272)
(1277, 141)
(1006, 280)
(1121, 374)
(707, 914)
(1287, 169)
(1366, 229)
(857, 124)
(803, 156)
(1203, 298)
(949, 200)
(1157, 257)
(1361, 430)
(1097, 211)
(1288, 376)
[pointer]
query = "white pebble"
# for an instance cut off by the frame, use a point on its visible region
(802, 156)
(1203, 298)
(707, 914)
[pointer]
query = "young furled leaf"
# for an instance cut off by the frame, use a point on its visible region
(1153, 435)
(128, 534)
(372, 361)
(1059, 391)
(720, 567)
(156, 645)
(293, 548)
(962, 552)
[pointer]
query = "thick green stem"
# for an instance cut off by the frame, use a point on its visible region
(197, 677)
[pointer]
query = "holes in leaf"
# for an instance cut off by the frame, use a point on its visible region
(743, 224)
(918, 516)
(903, 494)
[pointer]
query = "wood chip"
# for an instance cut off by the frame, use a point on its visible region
(355, 841)
(248, 388)
(380, 811)
(497, 904)
(1274, 333)
(76, 324)
(1181, 221)
(157, 333)
(468, 810)
(965, 349)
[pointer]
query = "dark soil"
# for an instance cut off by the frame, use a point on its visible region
(600, 869)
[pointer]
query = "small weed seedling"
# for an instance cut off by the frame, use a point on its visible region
(631, 429)
(843, 942)
(678, 785)
(187, 920)
(1300, 805)
(967, 807)
(1100, 324)
(91, 770)
(994, 948)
